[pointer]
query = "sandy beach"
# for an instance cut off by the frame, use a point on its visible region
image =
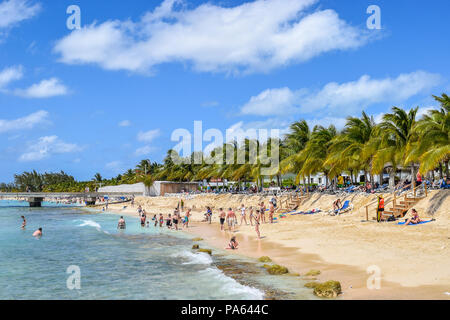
(414, 261)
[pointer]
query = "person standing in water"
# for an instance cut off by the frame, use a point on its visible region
(24, 222)
(231, 219)
(38, 233)
(161, 220)
(252, 216)
(186, 219)
(121, 225)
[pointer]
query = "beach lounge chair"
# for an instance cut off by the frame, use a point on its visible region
(346, 207)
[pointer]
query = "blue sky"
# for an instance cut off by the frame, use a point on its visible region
(101, 98)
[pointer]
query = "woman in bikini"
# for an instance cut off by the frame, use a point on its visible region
(262, 212)
(257, 223)
(252, 217)
(243, 215)
(233, 245)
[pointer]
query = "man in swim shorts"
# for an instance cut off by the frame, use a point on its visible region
(231, 219)
(121, 224)
(38, 233)
(222, 215)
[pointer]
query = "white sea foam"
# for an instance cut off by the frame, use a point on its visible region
(231, 286)
(194, 258)
(91, 223)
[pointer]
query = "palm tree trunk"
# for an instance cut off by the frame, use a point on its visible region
(392, 179)
(446, 169)
(440, 171)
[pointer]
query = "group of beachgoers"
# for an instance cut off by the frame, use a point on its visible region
(256, 216)
(36, 234)
(173, 221)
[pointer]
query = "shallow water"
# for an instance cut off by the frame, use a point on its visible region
(138, 263)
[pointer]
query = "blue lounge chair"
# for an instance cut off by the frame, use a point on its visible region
(344, 208)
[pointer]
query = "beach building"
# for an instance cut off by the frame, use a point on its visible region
(159, 188)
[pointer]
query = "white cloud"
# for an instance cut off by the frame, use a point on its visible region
(148, 136)
(46, 147)
(10, 74)
(344, 98)
(24, 123)
(271, 102)
(144, 150)
(15, 11)
(253, 36)
(125, 123)
(44, 89)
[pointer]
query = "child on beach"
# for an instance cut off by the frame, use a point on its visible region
(243, 215)
(186, 218)
(161, 220)
(222, 218)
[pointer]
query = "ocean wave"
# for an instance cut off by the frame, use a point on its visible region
(194, 258)
(232, 286)
(91, 223)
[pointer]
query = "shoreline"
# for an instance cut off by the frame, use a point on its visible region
(341, 248)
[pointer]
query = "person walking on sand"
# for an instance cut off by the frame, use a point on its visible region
(252, 216)
(222, 216)
(24, 222)
(257, 223)
(262, 212)
(38, 233)
(121, 225)
(271, 211)
(231, 219)
(243, 215)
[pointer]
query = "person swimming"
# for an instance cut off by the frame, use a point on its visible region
(38, 233)
(24, 222)
(121, 224)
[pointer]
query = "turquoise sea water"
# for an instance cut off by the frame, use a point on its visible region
(138, 263)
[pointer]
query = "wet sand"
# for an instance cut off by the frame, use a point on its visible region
(414, 261)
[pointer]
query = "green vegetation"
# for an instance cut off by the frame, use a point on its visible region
(329, 289)
(312, 273)
(399, 140)
(208, 251)
(265, 259)
(276, 269)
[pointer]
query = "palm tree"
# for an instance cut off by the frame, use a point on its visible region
(390, 140)
(348, 150)
(430, 144)
(316, 152)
